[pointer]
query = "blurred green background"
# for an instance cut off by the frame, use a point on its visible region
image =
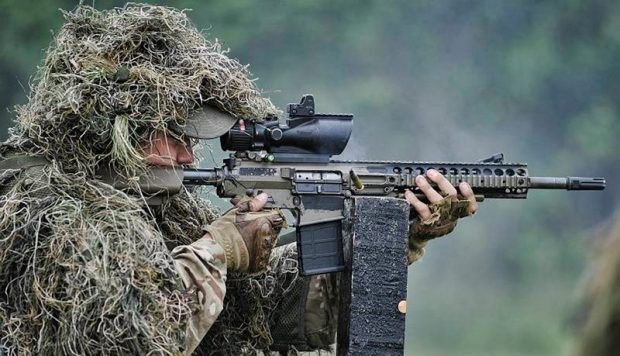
(436, 80)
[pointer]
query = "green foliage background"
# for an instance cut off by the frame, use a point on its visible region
(437, 80)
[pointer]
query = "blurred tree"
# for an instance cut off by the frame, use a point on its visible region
(598, 320)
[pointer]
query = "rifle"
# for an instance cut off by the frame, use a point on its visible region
(292, 163)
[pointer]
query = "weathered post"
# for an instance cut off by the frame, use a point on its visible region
(375, 279)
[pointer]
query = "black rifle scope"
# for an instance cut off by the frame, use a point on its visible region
(305, 132)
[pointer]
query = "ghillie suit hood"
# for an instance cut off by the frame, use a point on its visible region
(112, 78)
(84, 268)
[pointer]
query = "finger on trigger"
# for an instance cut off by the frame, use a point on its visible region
(427, 189)
(468, 194)
(442, 182)
(422, 209)
(258, 203)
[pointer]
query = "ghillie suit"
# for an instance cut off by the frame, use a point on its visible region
(599, 329)
(113, 78)
(85, 268)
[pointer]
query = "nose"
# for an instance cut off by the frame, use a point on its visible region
(185, 154)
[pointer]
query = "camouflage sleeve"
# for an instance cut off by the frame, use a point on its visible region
(321, 310)
(202, 267)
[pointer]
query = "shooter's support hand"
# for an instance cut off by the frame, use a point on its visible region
(439, 217)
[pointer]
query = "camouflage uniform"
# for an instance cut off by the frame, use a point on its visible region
(202, 267)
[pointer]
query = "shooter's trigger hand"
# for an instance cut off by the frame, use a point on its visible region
(248, 233)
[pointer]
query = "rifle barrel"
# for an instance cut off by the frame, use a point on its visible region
(568, 183)
(201, 176)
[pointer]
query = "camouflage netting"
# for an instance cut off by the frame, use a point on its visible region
(85, 268)
(599, 329)
(111, 78)
(182, 218)
(250, 307)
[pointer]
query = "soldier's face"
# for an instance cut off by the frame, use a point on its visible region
(166, 151)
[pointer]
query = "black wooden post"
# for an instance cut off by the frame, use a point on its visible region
(375, 280)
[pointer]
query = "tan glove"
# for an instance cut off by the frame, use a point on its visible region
(247, 237)
(444, 215)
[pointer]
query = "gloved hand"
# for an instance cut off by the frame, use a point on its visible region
(247, 233)
(438, 218)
